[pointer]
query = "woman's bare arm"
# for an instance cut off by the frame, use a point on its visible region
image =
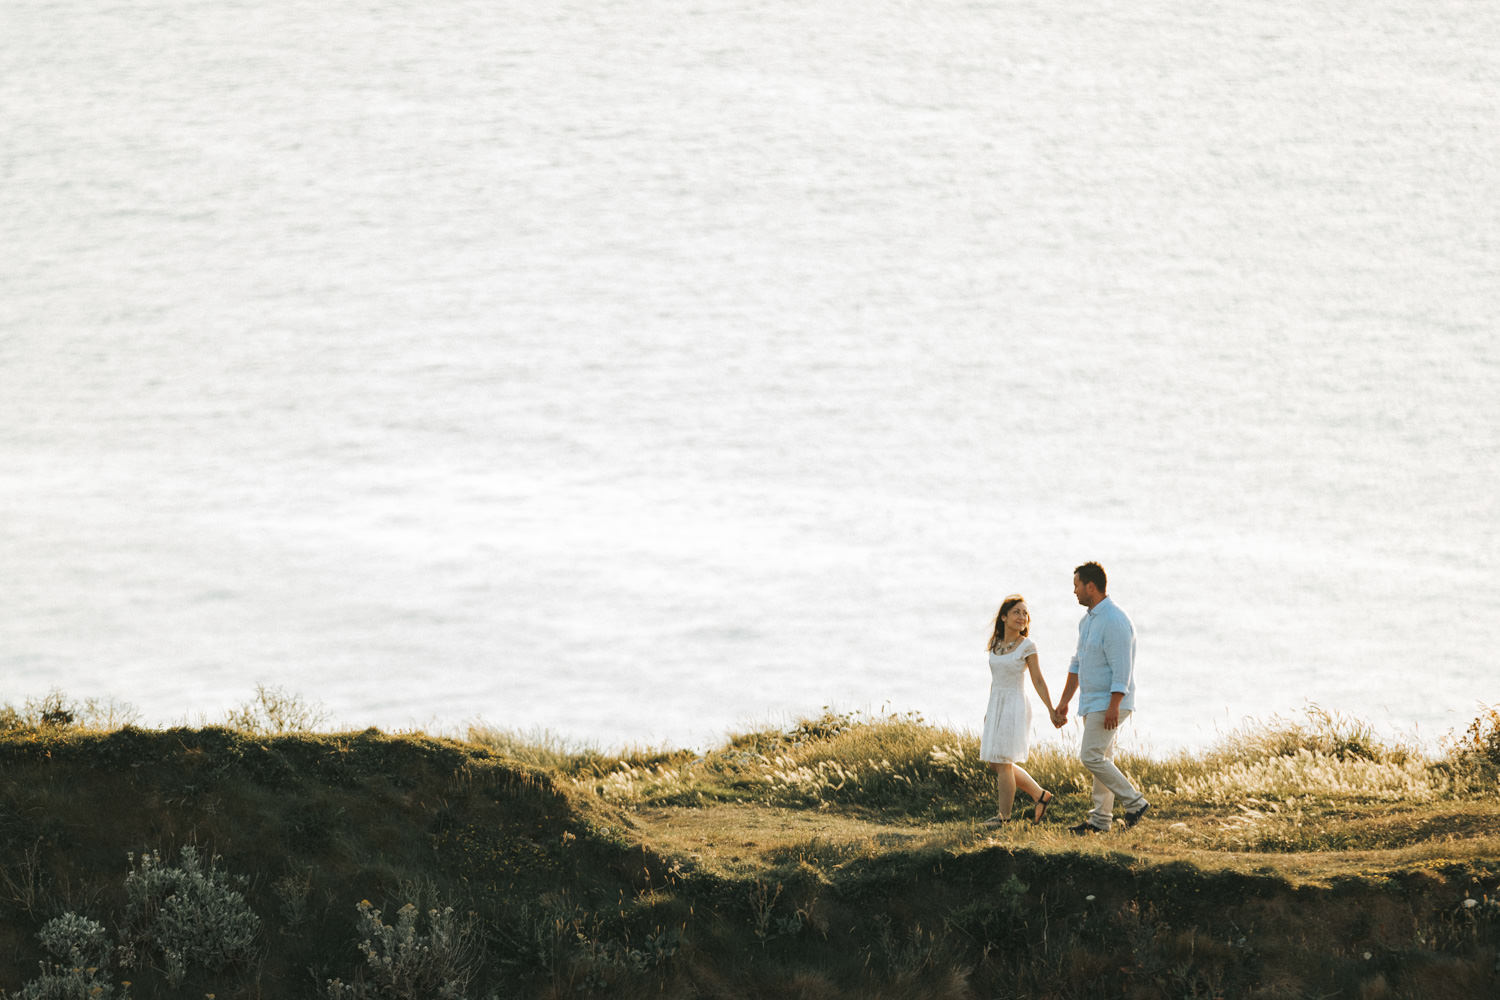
(1039, 682)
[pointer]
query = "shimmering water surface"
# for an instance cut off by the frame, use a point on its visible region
(646, 370)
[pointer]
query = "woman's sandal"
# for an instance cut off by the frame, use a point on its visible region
(995, 820)
(1042, 805)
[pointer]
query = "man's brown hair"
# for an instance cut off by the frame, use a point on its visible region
(1092, 572)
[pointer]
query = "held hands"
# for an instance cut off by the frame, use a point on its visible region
(1111, 717)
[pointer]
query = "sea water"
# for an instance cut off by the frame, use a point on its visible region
(643, 371)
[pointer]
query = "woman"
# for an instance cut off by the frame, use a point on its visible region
(1007, 723)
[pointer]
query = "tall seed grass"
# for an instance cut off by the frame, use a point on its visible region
(892, 763)
(902, 764)
(1305, 773)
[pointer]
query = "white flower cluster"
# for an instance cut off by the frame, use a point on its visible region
(1487, 905)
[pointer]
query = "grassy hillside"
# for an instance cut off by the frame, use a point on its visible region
(841, 857)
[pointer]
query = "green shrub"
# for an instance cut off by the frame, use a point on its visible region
(407, 961)
(82, 949)
(185, 916)
(76, 939)
(59, 982)
(189, 915)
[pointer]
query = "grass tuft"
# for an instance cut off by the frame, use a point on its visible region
(1474, 758)
(1324, 734)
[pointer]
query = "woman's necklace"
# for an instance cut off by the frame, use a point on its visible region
(1006, 647)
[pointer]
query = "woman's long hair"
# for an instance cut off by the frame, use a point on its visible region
(998, 636)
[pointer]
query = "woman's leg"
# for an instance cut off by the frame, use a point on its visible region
(1032, 787)
(1027, 783)
(1005, 780)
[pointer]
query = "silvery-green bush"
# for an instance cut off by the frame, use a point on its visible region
(188, 914)
(76, 939)
(405, 962)
(81, 972)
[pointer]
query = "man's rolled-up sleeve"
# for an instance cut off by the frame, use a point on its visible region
(1119, 651)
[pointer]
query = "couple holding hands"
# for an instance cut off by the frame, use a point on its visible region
(1102, 672)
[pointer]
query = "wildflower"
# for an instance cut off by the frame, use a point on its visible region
(1089, 897)
(1368, 956)
(1469, 904)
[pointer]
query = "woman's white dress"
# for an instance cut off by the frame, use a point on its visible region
(1007, 721)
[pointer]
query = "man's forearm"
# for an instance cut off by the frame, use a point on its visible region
(1068, 690)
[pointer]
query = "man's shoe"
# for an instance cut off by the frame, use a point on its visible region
(1085, 828)
(1131, 819)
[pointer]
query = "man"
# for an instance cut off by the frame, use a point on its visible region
(1103, 671)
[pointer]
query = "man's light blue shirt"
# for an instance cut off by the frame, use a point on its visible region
(1105, 661)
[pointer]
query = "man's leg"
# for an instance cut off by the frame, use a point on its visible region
(1104, 805)
(1097, 754)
